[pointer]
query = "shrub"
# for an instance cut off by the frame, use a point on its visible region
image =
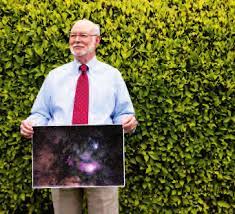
(177, 58)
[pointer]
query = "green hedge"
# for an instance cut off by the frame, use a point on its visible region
(177, 58)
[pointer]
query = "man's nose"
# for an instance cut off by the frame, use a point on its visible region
(77, 38)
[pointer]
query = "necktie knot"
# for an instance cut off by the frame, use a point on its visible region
(83, 68)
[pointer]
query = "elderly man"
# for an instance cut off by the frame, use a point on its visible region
(85, 91)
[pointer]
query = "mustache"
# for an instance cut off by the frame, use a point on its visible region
(77, 45)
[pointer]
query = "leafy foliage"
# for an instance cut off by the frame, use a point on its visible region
(177, 58)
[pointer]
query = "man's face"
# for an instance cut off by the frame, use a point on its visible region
(82, 40)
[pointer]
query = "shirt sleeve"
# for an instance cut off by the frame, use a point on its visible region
(123, 104)
(40, 112)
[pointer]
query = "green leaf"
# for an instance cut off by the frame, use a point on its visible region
(223, 204)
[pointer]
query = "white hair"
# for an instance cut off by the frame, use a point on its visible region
(95, 27)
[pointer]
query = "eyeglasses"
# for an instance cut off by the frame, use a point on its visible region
(80, 35)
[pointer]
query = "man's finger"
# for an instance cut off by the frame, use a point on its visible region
(26, 125)
(131, 121)
(128, 119)
(26, 132)
(130, 125)
(26, 129)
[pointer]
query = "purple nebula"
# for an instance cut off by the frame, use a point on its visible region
(90, 167)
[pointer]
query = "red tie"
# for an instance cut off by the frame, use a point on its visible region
(81, 100)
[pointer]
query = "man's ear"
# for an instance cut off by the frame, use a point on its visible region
(98, 39)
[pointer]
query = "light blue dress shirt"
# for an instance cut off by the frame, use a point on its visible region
(109, 99)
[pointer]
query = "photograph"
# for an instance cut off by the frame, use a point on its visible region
(78, 156)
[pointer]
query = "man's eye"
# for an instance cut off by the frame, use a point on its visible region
(83, 35)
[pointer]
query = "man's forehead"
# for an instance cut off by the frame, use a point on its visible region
(82, 27)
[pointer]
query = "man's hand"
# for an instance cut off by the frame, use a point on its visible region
(129, 123)
(26, 129)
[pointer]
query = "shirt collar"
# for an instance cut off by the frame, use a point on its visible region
(90, 64)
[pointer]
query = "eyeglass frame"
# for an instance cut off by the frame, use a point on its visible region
(81, 35)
